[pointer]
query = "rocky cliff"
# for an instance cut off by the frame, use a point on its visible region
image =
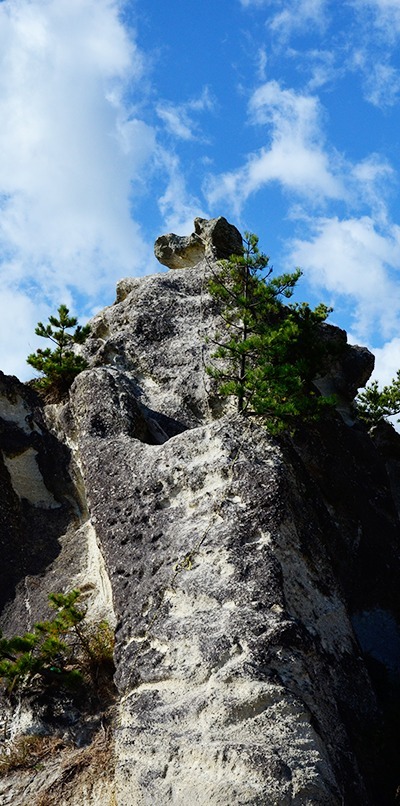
(252, 581)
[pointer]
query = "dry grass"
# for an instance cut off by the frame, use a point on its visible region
(27, 752)
(79, 767)
(71, 770)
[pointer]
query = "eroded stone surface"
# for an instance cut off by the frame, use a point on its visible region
(37, 501)
(257, 613)
(213, 239)
(235, 564)
(27, 480)
(228, 636)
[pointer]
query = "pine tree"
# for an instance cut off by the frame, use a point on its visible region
(61, 365)
(374, 404)
(64, 651)
(269, 352)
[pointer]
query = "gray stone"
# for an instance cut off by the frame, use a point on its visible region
(38, 501)
(179, 251)
(214, 238)
(352, 368)
(214, 607)
(221, 238)
(230, 562)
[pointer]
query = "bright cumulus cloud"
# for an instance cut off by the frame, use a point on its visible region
(71, 152)
(122, 119)
(387, 361)
(295, 156)
(351, 258)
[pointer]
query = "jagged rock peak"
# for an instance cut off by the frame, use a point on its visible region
(213, 237)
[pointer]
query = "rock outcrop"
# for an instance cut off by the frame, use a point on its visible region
(214, 239)
(252, 581)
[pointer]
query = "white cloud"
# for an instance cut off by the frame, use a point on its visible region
(387, 361)
(372, 170)
(71, 153)
(175, 120)
(295, 157)
(362, 41)
(299, 15)
(322, 64)
(19, 315)
(369, 181)
(382, 85)
(178, 118)
(386, 15)
(261, 61)
(296, 15)
(178, 207)
(247, 3)
(299, 159)
(381, 81)
(351, 258)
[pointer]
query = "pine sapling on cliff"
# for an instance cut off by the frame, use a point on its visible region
(268, 353)
(63, 652)
(374, 404)
(61, 365)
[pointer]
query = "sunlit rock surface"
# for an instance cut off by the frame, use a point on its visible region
(213, 239)
(248, 578)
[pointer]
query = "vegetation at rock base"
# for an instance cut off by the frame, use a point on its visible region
(27, 751)
(65, 651)
(75, 768)
(61, 365)
(374, 404)
(269, 352)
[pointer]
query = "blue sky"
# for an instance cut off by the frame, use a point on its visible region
(122, 121)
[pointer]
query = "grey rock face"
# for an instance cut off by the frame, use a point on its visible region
(240, 568)
(179, 251)
(157, 337)
(228, 653)
(221, 238)
(222, 550)
(350, 371)
(214, 238)
(48, 545)
(38, 501)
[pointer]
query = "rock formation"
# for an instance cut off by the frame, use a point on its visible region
(215, 239)
(252, 581)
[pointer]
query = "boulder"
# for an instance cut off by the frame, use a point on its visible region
(348, 368)
(214, 238)
(221, 238)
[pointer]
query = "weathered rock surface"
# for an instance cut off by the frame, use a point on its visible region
(253, 581)
(349, 372)
(39, 503)
(214, 239)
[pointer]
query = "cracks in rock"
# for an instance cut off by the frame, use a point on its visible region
(160, 428)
